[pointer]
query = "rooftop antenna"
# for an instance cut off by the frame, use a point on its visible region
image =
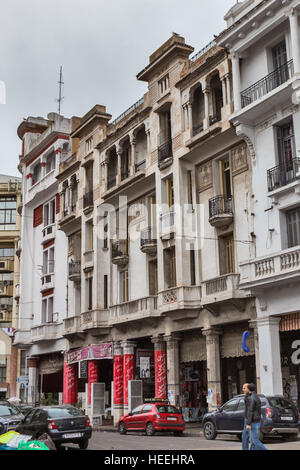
(60, 97)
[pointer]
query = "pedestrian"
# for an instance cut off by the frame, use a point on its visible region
(252, 421)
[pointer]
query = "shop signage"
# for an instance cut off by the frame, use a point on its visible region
(97, 351)
(144, 353)
(144, 367)
(295, 358)
(83, 370)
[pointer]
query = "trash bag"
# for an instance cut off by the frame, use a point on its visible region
(14, 441)
(32, 445)
(46, 439)
(5, 438)
(7, 447)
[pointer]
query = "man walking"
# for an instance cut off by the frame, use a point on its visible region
(252, 419)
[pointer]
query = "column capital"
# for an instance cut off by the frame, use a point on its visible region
(212, 331)
(118, 349)
(268, 321)
(159, 343)
(128, 347)
(291, 11)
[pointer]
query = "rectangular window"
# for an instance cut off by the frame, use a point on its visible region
(124, 286)
(36, 173)
(164, 85)
(8, 207)
(49, 213)
(50, 162)
(89, 144)
(286, 147)
(170, 267)
(7, 252)
(169, 192)
(153, 283)
(89, 236)
(190, 187)
(90, 293)
(226, 255)
(47, 310)
(192, 265)
(105, 288)
(293, 227)
(225, 178)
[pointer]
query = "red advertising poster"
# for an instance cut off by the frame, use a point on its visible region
(160, 375)
(70, 384)
(128, 362)
(118, 380)
(92, 377)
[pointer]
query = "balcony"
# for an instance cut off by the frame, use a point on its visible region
(69, 214)
(215, 117)
(95, 322)
(6, 290)
(72, 327)
(197, 129)
(111, 182)
(182, 302)
(165, 154)
(75, 271)
(133, 310)
(222, 289)
(46, 332)
(275, 269)
(140, 166)
(267, 84)
(22, 339)
(88, 201)
(220, 211)
(48, 233)
(148, 241)
(279, 176)
(5, 318)
(167, 225)
(119, 252)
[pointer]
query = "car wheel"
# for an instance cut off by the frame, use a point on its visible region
(83, 444)
(209, 431)
(178, 433)
(290, 437)
(122, 428)
(149, 429)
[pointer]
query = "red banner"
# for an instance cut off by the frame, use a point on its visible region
(70, 384)
(160, 375)
(92, 377)
(118, 380)
(128, 365)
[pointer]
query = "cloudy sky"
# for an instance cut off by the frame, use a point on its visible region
(101, 45)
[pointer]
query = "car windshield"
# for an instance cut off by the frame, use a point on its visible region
(64, 412)
(167, 409)
(282, 403)
(7, 410)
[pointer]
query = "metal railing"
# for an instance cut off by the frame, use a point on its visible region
(268, 83)
(279, 175)
(111, 182)
(88, 199)
(220, 205)
(140, 165)
(165, 150)
(119, 249)
(148, 237)
(203, 51)
(128, 111)
(74, 268)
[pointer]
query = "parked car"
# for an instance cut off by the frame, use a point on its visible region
(10, 417)
(23, 408)
(279, 416)
(152, 417)
(63, 423)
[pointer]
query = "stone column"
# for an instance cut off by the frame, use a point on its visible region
(190, 116)
(236, 80)
(206, 92)
(224, 90)
(213, 366)
(92, 377)
(295, 46)
(119, 153)
(70, 383)
(160, 366)
(32, 381)
(173, 377)
(228, 88)
(128, 370)
(253, 327)
(269, 352)
(132, 154)
(118, 382)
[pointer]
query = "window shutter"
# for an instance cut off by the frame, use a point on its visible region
(57, 203)
(38, 216)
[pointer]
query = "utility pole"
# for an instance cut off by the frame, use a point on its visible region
(60, 97)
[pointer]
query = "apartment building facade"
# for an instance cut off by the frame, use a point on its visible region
(156, 208)
(263, 40)
(10, 199)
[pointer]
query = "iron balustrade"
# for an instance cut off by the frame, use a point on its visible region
(74, 268)
(88, 199)
(197, 129)
(148, 237)
(140, 165)
(268, 83)
(280, 175)
(119, 249)
(111, 182)
(219, 205)
(165, 151)
(215, 118)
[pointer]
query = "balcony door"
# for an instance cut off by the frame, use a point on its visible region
(279, 57)
(293, 227)
(286, 151)
(226, 255)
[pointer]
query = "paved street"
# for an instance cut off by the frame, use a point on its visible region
(102, 440)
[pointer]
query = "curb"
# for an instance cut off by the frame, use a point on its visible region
(114, 429)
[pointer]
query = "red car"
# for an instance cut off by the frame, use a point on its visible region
(152, 417)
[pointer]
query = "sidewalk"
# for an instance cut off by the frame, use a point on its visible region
(191, 429)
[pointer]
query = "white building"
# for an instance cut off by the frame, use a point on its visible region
(263, 40)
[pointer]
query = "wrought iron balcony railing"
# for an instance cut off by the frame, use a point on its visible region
(148, 237)
(140, 165)
(219, 205)
(280, 176)
(119, 249)
(111, 182)
(268, 83)
(88, 199)
(165, 151)
(74, 268)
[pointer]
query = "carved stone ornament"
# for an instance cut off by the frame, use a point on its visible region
(205, 176)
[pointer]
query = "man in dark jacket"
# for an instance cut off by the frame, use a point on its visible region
(252, 418)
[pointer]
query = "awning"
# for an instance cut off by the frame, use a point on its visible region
(290, 322)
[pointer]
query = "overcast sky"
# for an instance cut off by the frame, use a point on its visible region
(101, 45)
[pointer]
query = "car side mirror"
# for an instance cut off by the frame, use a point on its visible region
(219, 409)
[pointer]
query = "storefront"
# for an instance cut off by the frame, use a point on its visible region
(237, 366)
(144, 368)
(50, 369)
(193, 376)
(290, 356)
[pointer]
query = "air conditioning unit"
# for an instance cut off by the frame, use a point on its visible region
(135, 394)
(7, 265)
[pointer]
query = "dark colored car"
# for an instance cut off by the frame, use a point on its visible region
(10, 417)
(279, 416)
(152, 417)
(64, 424)
(23, 408)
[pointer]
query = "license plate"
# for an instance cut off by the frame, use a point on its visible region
(11, 428)
(172, 419)
(286, 418)
(72, 435)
